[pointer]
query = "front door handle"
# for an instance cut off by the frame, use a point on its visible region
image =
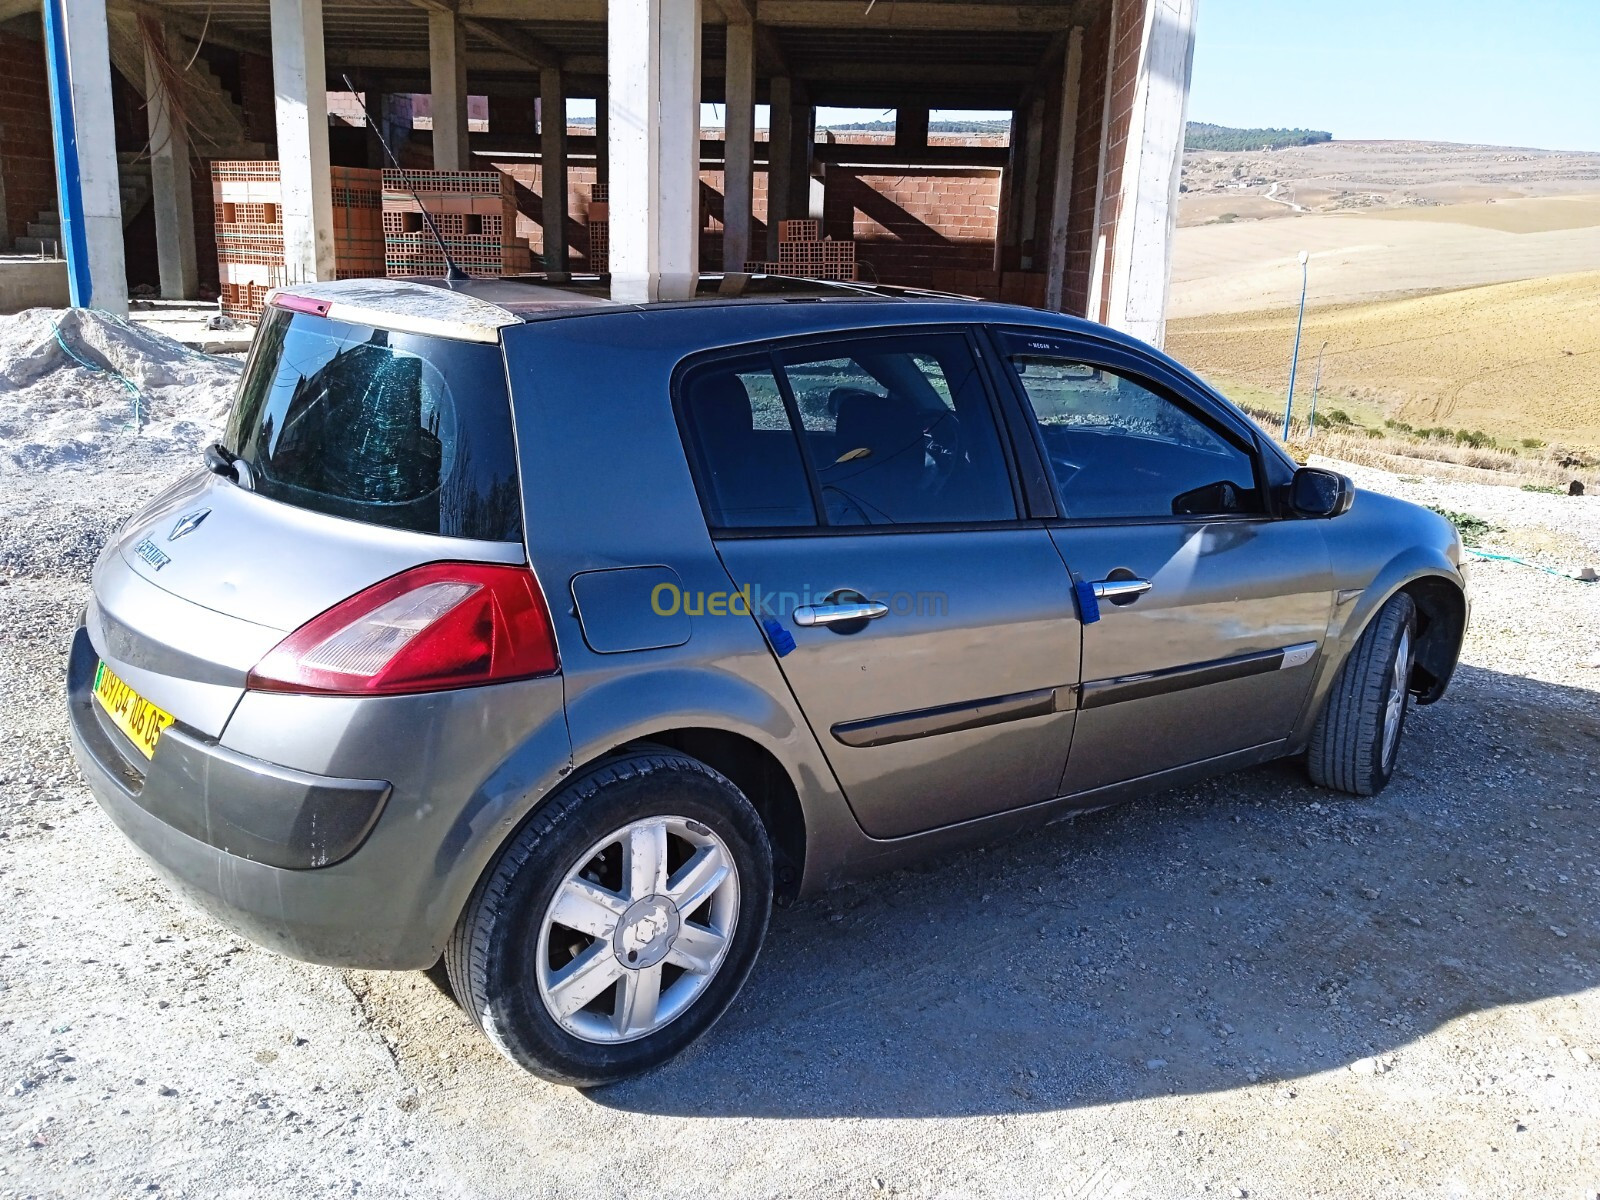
(1120, 590)
(838, 613)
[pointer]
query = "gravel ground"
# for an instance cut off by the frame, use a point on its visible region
(1245, 988)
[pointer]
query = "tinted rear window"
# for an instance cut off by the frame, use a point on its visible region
(389, 428)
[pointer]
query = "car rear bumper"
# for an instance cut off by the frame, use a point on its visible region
(301, 863)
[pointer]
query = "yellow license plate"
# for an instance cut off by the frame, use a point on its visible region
(129, 711)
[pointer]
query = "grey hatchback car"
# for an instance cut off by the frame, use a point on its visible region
(561, 638)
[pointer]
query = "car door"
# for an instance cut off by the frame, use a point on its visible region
(1212, 609)
(861, 496)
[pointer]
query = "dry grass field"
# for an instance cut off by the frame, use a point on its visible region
(1456, 287)
(1512, 359)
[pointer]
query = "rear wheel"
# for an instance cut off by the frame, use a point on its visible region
(1356, 741)
(619, 924)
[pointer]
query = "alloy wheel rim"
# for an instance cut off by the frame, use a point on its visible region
(637, 929)
(1395, 706)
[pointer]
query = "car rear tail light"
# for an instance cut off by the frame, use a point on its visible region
(438, 626)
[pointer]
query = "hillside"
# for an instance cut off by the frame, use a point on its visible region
(1513, 359)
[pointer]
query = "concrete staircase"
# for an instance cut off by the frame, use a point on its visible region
(216, 124)
(44, 236)
(133, 176)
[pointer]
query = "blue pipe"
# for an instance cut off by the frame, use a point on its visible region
(69, 189)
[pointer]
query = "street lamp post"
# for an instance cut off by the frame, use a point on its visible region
(1294, 363)
(1316, 382)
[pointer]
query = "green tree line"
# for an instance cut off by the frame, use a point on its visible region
(1201, 136)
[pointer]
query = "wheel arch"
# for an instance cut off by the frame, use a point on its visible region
(1441, 606)
(757, 772)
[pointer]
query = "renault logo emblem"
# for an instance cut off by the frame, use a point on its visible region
(188, 523)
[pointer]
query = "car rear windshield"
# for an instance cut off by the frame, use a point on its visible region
(373, 425)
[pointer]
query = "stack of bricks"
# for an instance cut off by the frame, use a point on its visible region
(248, 196)
(599, 229)
(475, 213)
(803, 252)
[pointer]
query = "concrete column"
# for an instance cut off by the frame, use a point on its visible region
(780, 158)
(807, 198)
(87, 184)
(300, 79)
(602, 141)
(1032, 154)
(553, 167)
(1141, 257)
(739, 150)
(447, 85)
(911, 128)
(653, 93)
(171, 186)
(1005, 226)
(1066, 147)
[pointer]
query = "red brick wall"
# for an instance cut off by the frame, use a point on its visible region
(1086, 163)
(27, 148)
(918, 227)
(530, 207)
(1124, 79)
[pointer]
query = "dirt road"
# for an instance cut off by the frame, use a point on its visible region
(1249, 987)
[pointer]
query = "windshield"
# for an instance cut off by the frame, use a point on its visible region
(390, 428)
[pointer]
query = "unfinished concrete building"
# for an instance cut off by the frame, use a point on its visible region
(1072, 211)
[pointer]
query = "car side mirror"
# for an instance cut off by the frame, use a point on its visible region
(1317, 493)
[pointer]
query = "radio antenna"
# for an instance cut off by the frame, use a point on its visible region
(453, 273)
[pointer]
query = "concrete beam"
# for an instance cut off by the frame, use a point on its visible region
(739, 165)
(514, 41)
(171, 187)
(553, 169)
(654, 100)
(447, 87)
(910, 14)
(77, 48)
(299, 77)
(845, 14)
(1141, 260)
(1066, 146)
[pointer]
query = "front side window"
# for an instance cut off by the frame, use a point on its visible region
(1120, 448)
(373, 425)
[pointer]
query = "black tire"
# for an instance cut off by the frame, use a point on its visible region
(1347, 746)
(492, 953)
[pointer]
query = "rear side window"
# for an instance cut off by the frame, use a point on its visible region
(389, 428)
(893, 430)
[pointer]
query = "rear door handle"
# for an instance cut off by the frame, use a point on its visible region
(834, 614)
(1120, 589)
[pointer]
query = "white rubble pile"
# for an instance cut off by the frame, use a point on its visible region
(57, 412)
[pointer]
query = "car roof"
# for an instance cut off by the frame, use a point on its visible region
(477, 309)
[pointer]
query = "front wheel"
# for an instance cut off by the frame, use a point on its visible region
(619, 924)
(1356, 742)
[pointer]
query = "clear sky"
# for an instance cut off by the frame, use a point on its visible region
(1498, 72)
